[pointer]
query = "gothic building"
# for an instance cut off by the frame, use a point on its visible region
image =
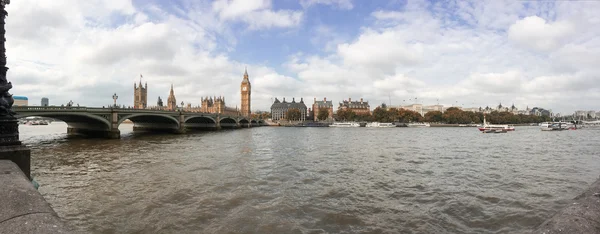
(216, 105)
(245, 89)
(140, 95)
(171, 101)
(279, 109)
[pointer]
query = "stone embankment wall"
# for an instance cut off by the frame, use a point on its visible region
(22, 207)
(582, 216)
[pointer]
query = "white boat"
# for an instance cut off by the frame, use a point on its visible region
(418, 125)
(556, 126)
(345, 125)
(380, 125)
(503, 127)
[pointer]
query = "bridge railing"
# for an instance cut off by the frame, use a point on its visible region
(103, 109)
(49, 108)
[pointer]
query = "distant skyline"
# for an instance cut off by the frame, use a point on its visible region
(470, 53)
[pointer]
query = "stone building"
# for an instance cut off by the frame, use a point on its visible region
(171, 101)
(245, 88)
(358, 107)
(45, 101)
(216, 105)
(318, 105)
(279, 109)
(140, 95)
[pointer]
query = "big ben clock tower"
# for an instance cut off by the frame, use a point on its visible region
(245, 88)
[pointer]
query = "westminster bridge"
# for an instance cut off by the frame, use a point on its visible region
(104, 122)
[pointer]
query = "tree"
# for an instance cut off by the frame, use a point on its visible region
(380, 114)
(293, 114)
(323, 113)
(433, 116)
(345, 114)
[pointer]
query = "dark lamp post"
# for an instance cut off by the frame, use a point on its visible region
(10, 146)
(115, 97)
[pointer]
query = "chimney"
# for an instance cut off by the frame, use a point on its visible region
(349, 99)
(315, 99)
(361, 100)
(325, 99)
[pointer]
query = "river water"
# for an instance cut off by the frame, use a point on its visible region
(313, 180)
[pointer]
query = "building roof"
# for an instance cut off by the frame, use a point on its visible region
(355, 104)
(20, 98)
(326, 104)
(285, 104)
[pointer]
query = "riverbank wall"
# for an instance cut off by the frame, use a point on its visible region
(581, 216)
(23, 209)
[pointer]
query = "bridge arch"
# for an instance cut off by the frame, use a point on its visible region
(200, 119)
(74, 120)
(150, 118)
(200, 122)
(227, 122)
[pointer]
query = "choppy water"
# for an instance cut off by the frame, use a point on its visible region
(313, 180)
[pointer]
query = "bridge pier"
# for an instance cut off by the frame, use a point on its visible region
(109, 134)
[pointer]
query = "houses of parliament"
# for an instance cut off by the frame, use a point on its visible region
(214, 105)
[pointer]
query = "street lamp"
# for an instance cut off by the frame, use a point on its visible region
(115, 97)
(182, 105)
(10, 146)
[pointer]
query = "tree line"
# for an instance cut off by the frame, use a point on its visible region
(452, 115)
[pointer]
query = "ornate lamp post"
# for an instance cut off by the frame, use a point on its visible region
(182, 105)
(10, 146)
(115, 97)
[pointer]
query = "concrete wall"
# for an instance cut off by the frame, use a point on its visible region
(22, 207)
(582, 216)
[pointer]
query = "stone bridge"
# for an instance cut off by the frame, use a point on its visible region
(104, 122)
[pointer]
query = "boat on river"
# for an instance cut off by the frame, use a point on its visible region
(557, 126)
(504, 127)
(345, 125)
(380, 125)
(418, 125)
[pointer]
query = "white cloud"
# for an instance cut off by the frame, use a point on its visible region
(384, 50)
(256, 13)
(341, 4)
(533, 32)
(462, 53)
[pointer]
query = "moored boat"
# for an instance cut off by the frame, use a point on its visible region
(345, 125)
(418, 125)
(557, 126)
(380, 125)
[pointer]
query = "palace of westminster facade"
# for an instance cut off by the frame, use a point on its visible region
(215, 105)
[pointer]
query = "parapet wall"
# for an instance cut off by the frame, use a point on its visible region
(22, 207)
(582, 216)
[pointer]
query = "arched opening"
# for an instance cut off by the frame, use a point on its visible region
(228, 123)
(152, 123)
(77, 124)
(244, 123)
(201, 123)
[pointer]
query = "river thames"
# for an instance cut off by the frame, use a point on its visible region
(313, 180)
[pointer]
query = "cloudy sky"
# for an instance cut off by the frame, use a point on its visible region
(466, 53)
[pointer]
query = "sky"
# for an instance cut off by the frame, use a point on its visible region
(455, 53)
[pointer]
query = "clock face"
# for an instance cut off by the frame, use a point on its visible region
(244, 89)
